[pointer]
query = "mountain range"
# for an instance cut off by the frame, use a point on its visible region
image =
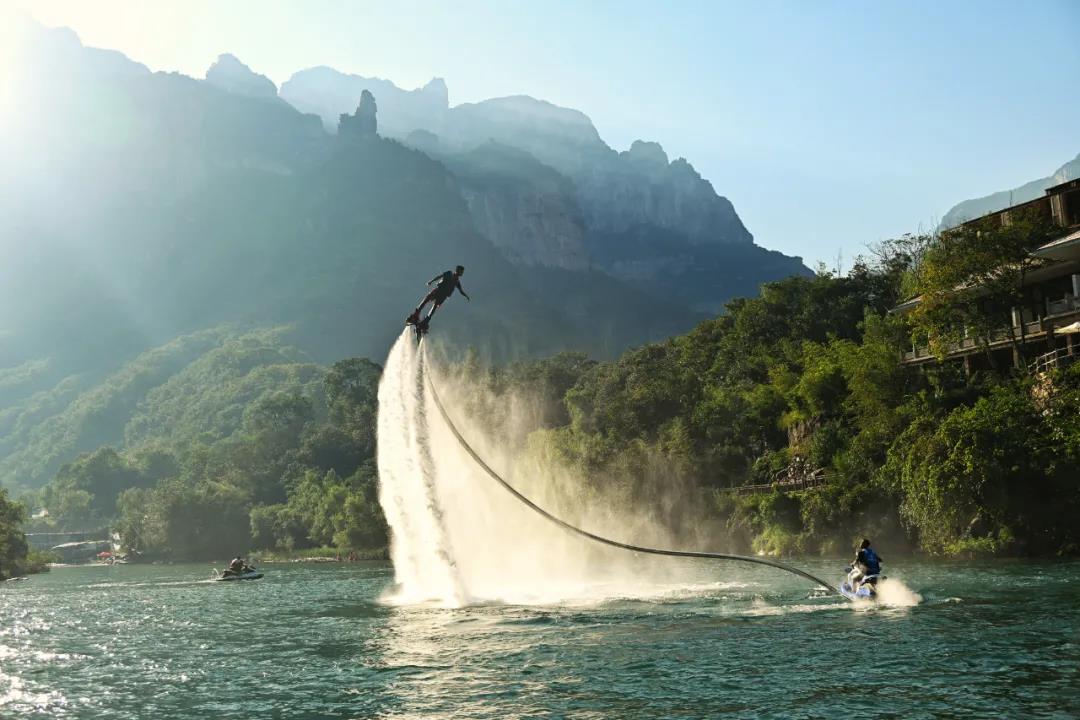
(140, 209)
(575, 202)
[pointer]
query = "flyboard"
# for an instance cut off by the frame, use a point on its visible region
(832, 589)
(420, 327)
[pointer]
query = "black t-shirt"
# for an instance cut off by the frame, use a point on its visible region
(446, 285)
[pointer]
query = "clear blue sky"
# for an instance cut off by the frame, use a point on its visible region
(828, 124)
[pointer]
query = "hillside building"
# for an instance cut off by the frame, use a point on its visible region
(1048, 322)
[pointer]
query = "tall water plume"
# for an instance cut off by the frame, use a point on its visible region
(457, 537)
(419, 547)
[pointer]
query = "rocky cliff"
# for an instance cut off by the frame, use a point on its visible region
(523, 207)
(641, 187)
(615, 190)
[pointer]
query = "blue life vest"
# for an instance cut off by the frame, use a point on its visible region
(870, 559)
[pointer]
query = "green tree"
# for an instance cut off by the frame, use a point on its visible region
(13, 547)
(972, 278)
(988, 476)
(84, 492)
(352, 392)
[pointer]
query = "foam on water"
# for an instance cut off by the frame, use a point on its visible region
(895, 593)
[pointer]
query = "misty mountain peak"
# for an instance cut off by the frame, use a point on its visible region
(233, 76)
(526, 106)
(436, 88)
(647, 153)
(52, 48)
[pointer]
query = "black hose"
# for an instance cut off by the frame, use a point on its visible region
(597, 538)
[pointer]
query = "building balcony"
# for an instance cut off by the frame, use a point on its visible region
(1062, 306)
(1060, 312)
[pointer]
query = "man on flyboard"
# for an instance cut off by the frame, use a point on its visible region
(447, 283)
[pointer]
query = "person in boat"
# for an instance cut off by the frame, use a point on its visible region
(867, 565)
(446, 284)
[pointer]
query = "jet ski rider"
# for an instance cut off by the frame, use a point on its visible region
(867, 563)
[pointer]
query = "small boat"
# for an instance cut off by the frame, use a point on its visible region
(247, 574)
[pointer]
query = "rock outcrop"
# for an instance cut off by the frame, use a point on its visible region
(362, 123)
(328, 93)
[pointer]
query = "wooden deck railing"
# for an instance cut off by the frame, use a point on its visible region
(1052, 360)
(814, 479)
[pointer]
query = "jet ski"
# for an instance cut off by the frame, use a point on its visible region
(248, 573)
(857, 587)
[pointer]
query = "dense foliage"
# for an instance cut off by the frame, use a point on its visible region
(248, 446)
(16, 558)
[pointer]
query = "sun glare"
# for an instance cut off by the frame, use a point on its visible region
(12, 37)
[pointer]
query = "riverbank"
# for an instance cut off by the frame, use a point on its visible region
(318, 555)
(33, 563)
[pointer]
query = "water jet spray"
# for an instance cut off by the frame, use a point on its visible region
(407, 460)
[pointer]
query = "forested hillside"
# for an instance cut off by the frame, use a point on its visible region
(252, 445)
(247, 443)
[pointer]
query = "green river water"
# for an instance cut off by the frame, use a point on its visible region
(996, 640)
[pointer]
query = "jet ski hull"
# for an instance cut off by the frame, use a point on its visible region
(245, 576)
(864, 592)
